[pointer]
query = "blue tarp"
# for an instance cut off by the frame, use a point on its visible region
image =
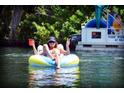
(92, 24)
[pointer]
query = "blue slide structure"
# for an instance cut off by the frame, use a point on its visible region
(98, 22)
(93, 24)
(111, 19)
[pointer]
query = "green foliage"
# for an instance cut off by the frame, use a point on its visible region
(61, 23)
(43, 32)
(26, 28)
(40, 22)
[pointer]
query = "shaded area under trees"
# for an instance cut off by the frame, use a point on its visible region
(18, 23)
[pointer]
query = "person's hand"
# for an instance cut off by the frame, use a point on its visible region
(33, 43)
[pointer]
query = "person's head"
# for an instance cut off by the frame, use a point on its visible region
(52, 43)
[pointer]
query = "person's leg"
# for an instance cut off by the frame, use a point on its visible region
(40, 50)
(55, 56)
(47, 51)
(57, 61)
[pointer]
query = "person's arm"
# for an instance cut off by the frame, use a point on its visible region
(67, 46)
(34, 49)
(67, 51)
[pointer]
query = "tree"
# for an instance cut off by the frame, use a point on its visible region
(17, 12)
(39, 22)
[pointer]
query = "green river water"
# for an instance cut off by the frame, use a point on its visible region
(97, 69)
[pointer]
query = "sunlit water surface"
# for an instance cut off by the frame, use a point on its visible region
(96, 69)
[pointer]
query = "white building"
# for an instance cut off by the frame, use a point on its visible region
(97, 39)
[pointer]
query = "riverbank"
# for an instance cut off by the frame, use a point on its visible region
(11, 43)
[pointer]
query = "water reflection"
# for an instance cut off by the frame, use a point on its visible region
(96, 69)
(102, 69)
(51, 77)
(13, 67)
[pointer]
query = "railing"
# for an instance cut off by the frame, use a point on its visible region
(107, 14)
(115, 31)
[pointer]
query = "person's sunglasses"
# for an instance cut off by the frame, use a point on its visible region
(51, 42)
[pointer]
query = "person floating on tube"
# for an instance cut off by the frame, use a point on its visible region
(52, 50)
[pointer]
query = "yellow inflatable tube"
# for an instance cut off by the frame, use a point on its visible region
(67, 60)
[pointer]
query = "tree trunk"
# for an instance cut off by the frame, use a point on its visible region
(15, 19)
